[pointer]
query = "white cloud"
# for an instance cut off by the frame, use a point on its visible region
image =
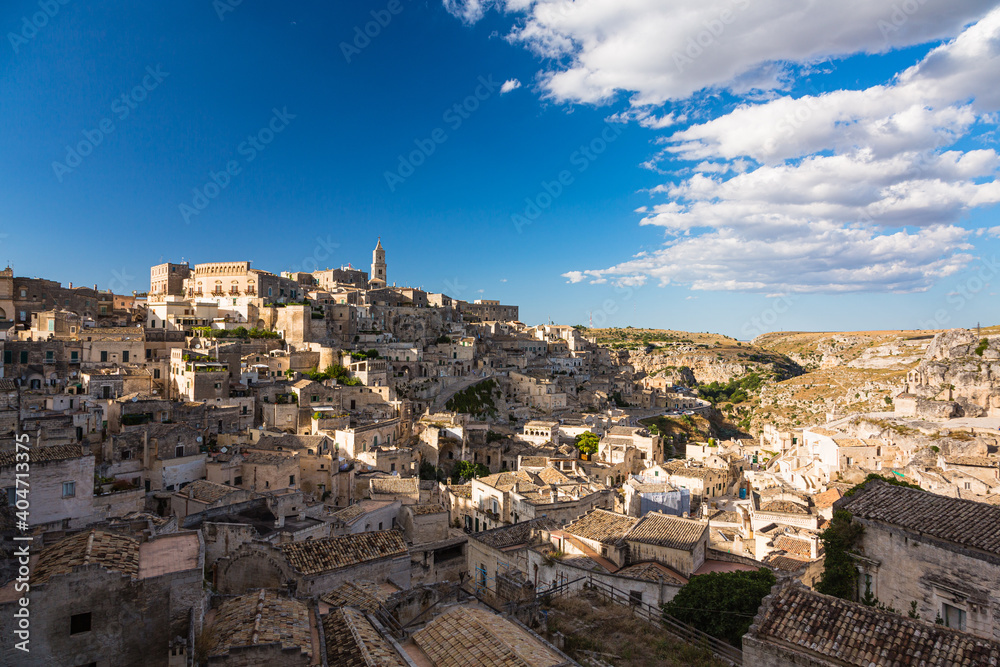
(821, 258)
(657, 51)
(853, 190)
(469, 11)
(509, 85)
(843, 191)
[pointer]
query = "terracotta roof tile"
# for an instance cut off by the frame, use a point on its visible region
(363, 595)
(262, 617)
(207, 492)
(783, 507)
(512, 535)
(352, 641)
(667, 531)
(852, 634)
(602, 526)
(652, 571)
(792, 545)
(43, 454)
(333, 553)
(460, 490)
(965, 522)
(394, 485)
(827, 498)
(110, 550)
(470, 637)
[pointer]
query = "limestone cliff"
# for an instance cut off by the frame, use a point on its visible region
(963, 366)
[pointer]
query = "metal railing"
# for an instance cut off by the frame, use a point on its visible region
(558, 589)
(680, 629)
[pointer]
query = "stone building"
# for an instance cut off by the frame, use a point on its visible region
(263, 628)
(378, 278)
(681, 544)
(315, 567)
(61, 486)
(797, 626)
(105, 599)
(943, 553)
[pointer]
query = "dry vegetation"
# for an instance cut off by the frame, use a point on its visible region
(595, 627)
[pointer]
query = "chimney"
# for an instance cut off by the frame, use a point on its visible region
(71, 285)
(280, 521)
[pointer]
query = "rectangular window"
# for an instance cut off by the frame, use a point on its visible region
(50, 356)
(125, 356)
(291, 479)
(8, 357)
(52, 325)
(74, 356)
(11, 495)
(68, 489)
(104, 355)
(954, 617)
(237, 481)
(79, 623)
(24, 356)
(179, 451)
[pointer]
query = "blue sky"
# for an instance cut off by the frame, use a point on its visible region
(789, 175)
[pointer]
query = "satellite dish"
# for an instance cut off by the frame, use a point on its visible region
(198, 439)
(224, 450)
(135, 399)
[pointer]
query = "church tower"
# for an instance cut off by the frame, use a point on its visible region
(378, 266)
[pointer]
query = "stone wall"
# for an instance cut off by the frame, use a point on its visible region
(119, 503)
(914, 567)
(131, 621)
(768, 654)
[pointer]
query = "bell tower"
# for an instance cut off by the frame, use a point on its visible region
(378, 278)
(7, 295)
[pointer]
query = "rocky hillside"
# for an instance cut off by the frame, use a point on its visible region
(692, 358)
(846, 372)
(874, 350)
(963, 366)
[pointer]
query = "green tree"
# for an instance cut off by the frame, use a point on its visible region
(587, 443)
(723, 604)
(468, 470)
(840, 576)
